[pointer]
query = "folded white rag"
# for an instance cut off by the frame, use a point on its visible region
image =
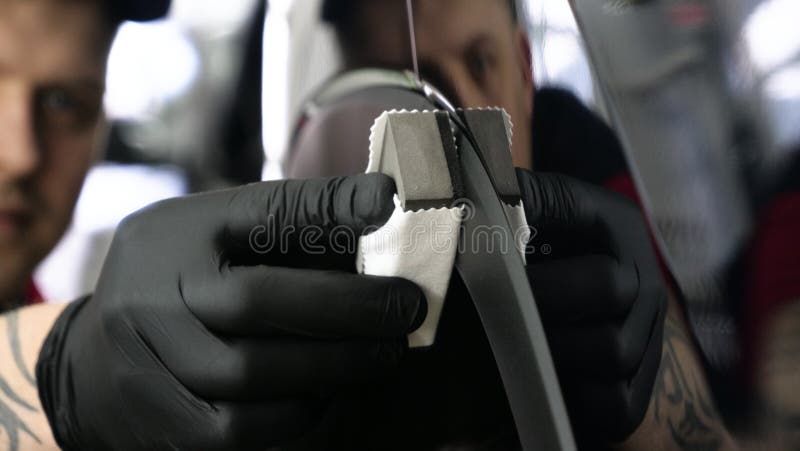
(419, 246)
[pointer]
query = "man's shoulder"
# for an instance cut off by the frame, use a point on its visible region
(789, 180)
(571, 139)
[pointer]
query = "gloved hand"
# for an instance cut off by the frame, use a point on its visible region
(192, 342)
(602, 300)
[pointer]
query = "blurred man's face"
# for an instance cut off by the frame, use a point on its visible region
(471, 49)
(52, 66)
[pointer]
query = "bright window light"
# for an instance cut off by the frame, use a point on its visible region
(274, 101)
(772, 33)
(149, 65)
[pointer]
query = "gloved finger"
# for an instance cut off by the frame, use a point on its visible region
(267, 217)
(603, 412)
(167, 412)
(241, 368)
(558, 242)
(586, 287)
(227, 426)
(609, 411)
(242, 425)
(552, 199)
(607, 351)
(247, 369)
(260, 300)
(555, 201)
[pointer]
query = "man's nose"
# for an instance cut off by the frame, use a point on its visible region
(19, 150)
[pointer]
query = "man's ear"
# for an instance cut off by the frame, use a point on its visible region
(526, 66)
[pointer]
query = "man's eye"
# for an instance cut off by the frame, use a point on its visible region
(479, 66)
(60, 109)
(58, 100)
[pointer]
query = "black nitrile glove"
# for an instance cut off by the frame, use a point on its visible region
(602, 299)
(192, 342)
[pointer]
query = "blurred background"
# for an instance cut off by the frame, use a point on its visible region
(181, 90)
(207, 98)
(184, 100)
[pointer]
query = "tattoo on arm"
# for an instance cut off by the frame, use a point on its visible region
(682, 402)
(10, 422)
(778, 375)
(16, 349)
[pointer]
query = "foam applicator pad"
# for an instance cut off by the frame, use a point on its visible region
(418, 149)
(420, 240)
(492, 131)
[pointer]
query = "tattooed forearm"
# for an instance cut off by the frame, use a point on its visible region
(13, 340)
(11, 424)
(682, 402)
(11, 402)
(778, 375)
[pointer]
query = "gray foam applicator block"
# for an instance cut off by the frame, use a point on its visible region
(491, 129)
(418, 150)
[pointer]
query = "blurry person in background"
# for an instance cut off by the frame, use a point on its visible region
(197, 336)
(52, 78)
(53, 58)
(477, 53)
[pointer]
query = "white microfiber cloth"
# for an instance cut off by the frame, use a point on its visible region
(419, 246)
(519, 227)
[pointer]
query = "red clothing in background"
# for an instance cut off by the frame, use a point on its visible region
(772, 269)
(570, 139)
(33, 295)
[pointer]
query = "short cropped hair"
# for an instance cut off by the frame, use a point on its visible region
(345, 17)
(338, 12)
